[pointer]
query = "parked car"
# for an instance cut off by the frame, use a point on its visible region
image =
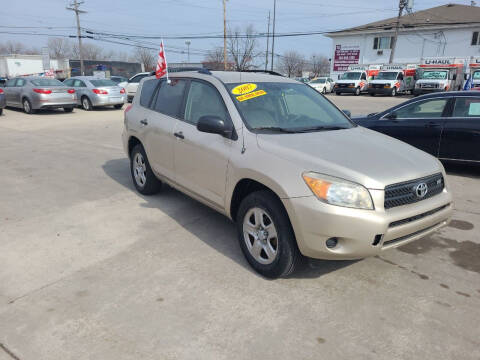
(3, 103)
(132, 84)
(34, 93)
(322, 84)
(446, 125)
(94, 92)
(119, 79)
(293, 171)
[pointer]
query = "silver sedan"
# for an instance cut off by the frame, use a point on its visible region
(34, 93)
(94, 92)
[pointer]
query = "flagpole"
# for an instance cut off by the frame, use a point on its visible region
(166, 63)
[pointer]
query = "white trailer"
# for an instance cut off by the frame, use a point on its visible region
(24, 65)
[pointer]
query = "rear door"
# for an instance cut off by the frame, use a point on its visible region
(161, 117)
(17, 95)
(461, 133)
(201, 158)
(418, 123)
(81, 89)
(10, 91)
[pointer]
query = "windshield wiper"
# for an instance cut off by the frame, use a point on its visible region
(321, 128)
(275, 128)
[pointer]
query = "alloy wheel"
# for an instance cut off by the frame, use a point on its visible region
(260, 235)
(139, 170)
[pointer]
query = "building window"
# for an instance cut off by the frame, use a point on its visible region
(475, 38)
(384, 42)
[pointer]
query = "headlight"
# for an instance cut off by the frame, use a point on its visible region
(336, 191)
(387, 86)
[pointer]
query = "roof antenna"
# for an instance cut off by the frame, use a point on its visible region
(243, 140)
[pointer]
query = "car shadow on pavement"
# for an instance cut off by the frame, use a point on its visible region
(471, 171)
(39, 112)
(211, 227)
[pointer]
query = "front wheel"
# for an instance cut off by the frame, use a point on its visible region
(143, 177)
(357, 91)
(324, 91)
(394, 91)
(371, 94)
(266, 236)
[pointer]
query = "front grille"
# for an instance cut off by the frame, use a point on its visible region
(406, 192)
(378, 86)
(429, 86)
(417, 217)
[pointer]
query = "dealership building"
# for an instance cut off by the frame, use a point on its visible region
(445, 31)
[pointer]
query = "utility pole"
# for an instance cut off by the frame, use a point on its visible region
(268, 38)
(188, 42)
(401, 5)
(225, 35)
(273, 31)
(74, 7)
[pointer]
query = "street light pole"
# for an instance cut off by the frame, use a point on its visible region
(273, 31)
(74, 7)
(401, 5)
(225, 35)
(268, 36)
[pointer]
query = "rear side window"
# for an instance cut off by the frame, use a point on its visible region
(170, 97)
(467, 107)
(147, 91)
(79, 83)
(10, 83)
(69, 82)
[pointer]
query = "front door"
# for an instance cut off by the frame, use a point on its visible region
(201, 159)
(419, 123)
(10, 92)
(461, 133)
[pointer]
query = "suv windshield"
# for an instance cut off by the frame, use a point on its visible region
(286, 107)
(103, 82)
(351, 76)
(318, 81)
(437, 75)
(386, 76)
(47, 82)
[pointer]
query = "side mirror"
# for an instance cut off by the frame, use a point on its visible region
(347, 112)
(214, 125)
(391, 116)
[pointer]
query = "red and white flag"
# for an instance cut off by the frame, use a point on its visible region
(161, 69)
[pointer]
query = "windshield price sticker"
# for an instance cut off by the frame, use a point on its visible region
(251, 95)
(243, 89)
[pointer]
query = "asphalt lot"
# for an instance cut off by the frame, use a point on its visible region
(89, 269)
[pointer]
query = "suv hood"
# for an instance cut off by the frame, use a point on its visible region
(358, 154)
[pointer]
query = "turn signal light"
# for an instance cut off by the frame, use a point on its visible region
(127, 109)
(43, 91)
(100, 91)
(122, 91)
(71, 91)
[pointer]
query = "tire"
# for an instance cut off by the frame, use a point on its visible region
(357, 91)
(275, 256)
(118, 106)
(324, 91)
(86, 104)
(371, 94)
(27, 106)
(1, 111)
(337, 93)
(143, 177)
(68, 109)
(394, 92)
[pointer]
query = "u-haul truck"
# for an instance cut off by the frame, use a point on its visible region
(474, 73)
(439, 74)
(355, 79)
(393, 79)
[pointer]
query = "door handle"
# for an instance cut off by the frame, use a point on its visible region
(144, 122)
(179, 135)
(432, 125)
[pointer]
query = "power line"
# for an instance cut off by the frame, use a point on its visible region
(74, 6)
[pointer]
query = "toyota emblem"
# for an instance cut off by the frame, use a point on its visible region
(421, 190)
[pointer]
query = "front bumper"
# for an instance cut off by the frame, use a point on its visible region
(108, 100)
(345, 90)
(356, 230)
(421, 91)
(382, 91)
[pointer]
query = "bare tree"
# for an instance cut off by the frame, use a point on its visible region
(59, 48)
(242, 48)
(319, 65)
(292, 63)
(214, 59)
(145, 56)
(10, 48)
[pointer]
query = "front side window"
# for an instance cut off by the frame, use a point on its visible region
(381, 43)
(435, 75)
(475, 38)
(349, 75)
(203, 100)
(422, 109)
(467, 107)
(147, 91)
(170, 97)
(286, 107)
(46, 82)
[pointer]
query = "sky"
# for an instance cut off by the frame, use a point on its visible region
(181, 17)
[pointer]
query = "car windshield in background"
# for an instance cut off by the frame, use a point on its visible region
(436, 75)
(476, 75)
(103, 82)
(351, 76)
(318, 81)
(47, 82)
(386, 76)
(286, 107)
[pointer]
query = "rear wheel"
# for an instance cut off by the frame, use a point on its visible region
(143, 177)
(337, 93)
(27, 106)
(357, 91)
(266, 236)
(86, 104)
(118, 106)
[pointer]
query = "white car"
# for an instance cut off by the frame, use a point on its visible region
(322, 84)
(132, 85)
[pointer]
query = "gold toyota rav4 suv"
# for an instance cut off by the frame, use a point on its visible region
(288, 167)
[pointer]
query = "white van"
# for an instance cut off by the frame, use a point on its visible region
(439, 74)
(393, 79)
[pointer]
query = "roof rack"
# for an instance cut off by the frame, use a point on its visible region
(264, 71)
